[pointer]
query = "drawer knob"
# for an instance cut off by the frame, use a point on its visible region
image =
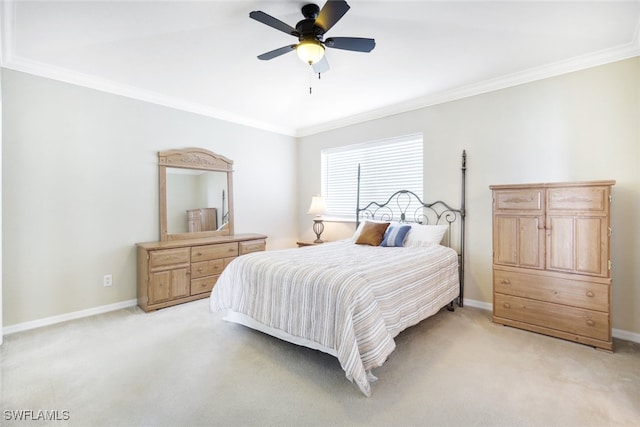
(199, 253)
(505, 282)
(590, 322)
(506, 305)
(590, 294)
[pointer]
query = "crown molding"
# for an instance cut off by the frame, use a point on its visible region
(636, 38)
(92, 82)
(578, 63)
(10, 61)
(105, 85)
(7, 11)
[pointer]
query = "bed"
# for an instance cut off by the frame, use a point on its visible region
(350, 298)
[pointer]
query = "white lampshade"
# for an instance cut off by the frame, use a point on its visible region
(310, 51)
(317, 206)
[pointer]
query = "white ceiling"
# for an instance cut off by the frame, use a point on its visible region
(200, 56)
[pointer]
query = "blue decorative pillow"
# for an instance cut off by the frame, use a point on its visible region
(395, 235)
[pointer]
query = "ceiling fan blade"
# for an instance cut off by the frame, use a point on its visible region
(269, 20)
(331, 13)
(321, 66)
(357, 44)
(277, 52)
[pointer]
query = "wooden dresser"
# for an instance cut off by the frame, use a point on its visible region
(177, 271)
(551, 259)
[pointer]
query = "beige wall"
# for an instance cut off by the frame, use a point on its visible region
(80, 188)
(79, 177)
(579, 126)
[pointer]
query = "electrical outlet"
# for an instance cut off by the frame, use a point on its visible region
(107, 280)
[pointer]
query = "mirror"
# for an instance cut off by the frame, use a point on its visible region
(196, 198)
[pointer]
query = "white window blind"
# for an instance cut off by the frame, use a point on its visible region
(386, 166)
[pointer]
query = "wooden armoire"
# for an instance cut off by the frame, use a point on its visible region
(551, 259)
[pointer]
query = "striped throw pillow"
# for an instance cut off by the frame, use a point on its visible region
(395, 235)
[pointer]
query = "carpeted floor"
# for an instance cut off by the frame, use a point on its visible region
(185, 366)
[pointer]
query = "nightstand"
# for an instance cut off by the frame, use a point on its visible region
(302, 244)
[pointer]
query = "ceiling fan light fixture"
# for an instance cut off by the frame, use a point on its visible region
(310, 51)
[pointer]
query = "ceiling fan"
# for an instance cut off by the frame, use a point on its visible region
(310, 33)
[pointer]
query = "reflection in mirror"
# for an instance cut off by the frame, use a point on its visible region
(196, 194)
(196, 200)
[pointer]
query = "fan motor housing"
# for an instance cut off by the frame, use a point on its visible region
(308, 30)
(310, 11)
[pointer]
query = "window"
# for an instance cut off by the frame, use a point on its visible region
(386, 166)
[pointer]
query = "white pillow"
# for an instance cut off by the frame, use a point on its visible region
(425, 235)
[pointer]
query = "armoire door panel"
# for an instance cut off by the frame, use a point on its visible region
(591, 236)
(519, 241)
(531, 239)
(560, 243)
(505, 240)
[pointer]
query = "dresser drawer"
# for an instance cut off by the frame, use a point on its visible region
(506, 201)
(168, 258)
(205, 284)
(207, 252)
(252, 246)
(589, 295)
(591, 199)
(588, 323)
(207, 268)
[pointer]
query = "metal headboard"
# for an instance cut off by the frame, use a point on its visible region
(406, 206)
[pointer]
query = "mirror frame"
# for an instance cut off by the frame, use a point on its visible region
(198, 159)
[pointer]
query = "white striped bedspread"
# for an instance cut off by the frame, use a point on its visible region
(351, 298)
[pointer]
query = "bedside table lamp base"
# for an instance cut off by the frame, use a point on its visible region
(318, 228)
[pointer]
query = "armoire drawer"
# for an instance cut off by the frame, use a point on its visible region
(587, 199)
(507, 201)
(207, 252)
(588, 323)
(578, 293)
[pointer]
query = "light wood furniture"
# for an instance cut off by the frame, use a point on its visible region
(213, 170)
(303, 244)
(185, 265)
(551, 259)
(177, 271)
(202, 219)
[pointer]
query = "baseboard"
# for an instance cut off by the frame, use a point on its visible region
(478, 304)
(626, 335)
(617, 333)
(47, 321)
